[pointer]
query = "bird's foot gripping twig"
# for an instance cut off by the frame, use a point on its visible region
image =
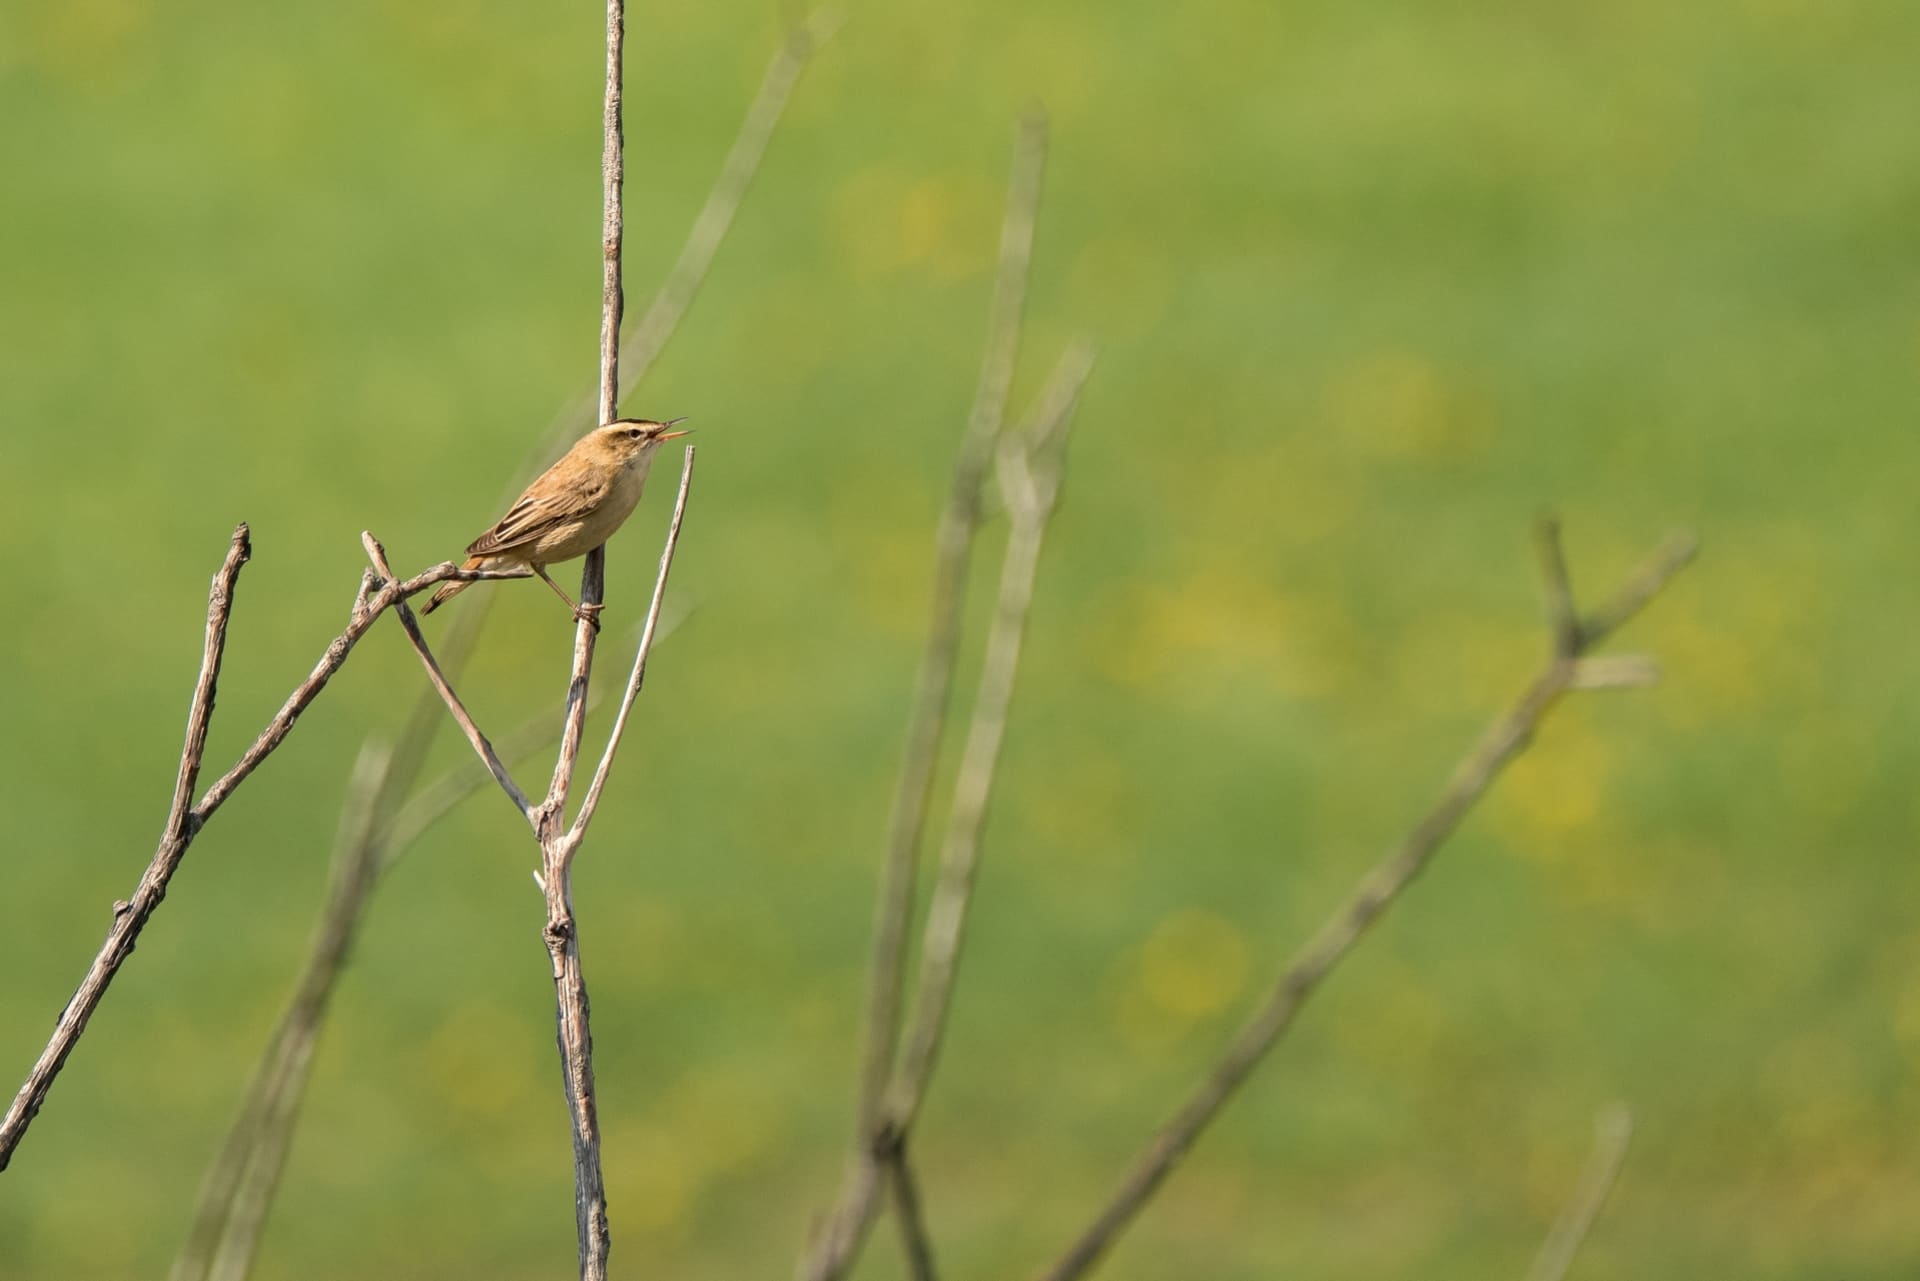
(589, 614)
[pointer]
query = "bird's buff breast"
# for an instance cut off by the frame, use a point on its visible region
(594, 527)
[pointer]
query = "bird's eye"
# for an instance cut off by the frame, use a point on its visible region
(634, 433)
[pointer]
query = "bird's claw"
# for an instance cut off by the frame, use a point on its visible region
(589, 614)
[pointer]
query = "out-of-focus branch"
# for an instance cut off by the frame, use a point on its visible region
(953, 556)
(1504, 740)
(247, 1175)
(837, 1238)
(1612, 1131)
(1030, 486)
(915, 1241)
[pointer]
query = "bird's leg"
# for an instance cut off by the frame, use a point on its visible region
(581, 613)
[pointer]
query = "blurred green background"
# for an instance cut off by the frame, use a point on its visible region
(1374, 283)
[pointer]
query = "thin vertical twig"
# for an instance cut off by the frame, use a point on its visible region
(1505, 739)
(613, 178)
(1612, 1131)
(572, 1015)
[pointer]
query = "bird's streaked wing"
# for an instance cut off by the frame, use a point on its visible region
(534, 515)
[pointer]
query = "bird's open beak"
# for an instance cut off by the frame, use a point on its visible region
(670, 435)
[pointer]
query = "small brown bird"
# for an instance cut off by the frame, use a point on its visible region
(573, 508)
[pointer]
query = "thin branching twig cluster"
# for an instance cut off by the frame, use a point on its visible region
(911, 989)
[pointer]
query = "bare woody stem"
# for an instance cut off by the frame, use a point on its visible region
(1504, 740)
(184, 824)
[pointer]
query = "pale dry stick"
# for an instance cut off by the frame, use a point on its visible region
(648, 633)
(411, 625)
(1612, 1131)
(1505, 739)
(231, 1209)
(1030, 486)
(915, 1241)
(837, 1236)
(183, 825)
(639, 350)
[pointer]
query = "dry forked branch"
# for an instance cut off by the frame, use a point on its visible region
(1612, 1131)
(259, 1135)
(838, 1236)
(1504, 740)
(183, 822)
(559, 844)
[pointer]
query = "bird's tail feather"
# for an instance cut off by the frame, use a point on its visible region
(446, 592)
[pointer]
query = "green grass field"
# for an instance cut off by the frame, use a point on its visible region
(1373, 283)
